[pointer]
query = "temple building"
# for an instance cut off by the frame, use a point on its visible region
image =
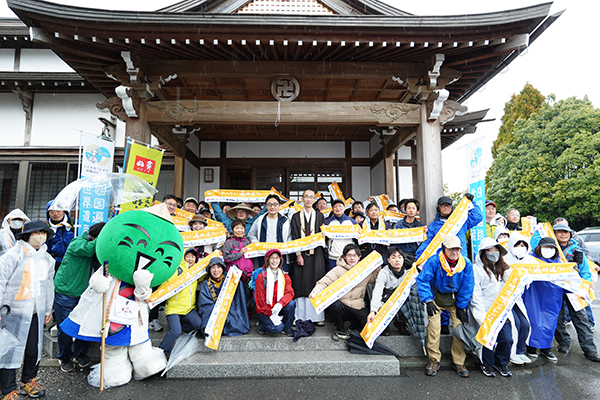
(249, 94)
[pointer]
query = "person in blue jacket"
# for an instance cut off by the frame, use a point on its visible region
(63, 233)
(444, 210)
(241, 211)
(446, 282)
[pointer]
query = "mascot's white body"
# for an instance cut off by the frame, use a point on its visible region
(129, 351)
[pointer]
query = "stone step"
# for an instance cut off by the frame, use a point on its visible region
(258, 364)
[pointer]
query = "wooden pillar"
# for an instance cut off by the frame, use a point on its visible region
(138, 128)
(179, 175)
(429, 166)
(388, 172)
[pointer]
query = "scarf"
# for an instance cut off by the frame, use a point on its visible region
(380, 224)
(64, 222)
(211, 287)
(271, 279)
(460, 264)
(303, 232)
(397, 274)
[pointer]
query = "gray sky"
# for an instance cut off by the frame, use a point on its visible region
(561, 61)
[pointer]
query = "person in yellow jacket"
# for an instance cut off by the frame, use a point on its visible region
(180, 309)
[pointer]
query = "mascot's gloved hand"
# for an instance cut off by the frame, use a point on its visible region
(100, 283)
(142, 280)
(276, 309)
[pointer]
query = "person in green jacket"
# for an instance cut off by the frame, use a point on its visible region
(70, 282)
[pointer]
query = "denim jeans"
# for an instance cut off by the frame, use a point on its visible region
(287, 313)
(63, 305)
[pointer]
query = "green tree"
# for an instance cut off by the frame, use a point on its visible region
(520, 106)
(552, 167)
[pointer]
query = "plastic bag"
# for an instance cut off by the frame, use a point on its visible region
(8, 340)
(186, 346)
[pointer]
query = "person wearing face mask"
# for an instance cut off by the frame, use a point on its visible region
(490, 273)
(26, 288)
(518, 253)
(274, 297)
(63, 233)
(388, 280)
(11, 225)
(70, 282)
(543, 317)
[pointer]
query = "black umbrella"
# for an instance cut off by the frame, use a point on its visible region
(356, 345)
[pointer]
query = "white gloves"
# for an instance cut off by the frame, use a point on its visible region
(142, 280)
(100, 283)
(276, 309)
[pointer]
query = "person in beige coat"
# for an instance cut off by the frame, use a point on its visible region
(350, 307)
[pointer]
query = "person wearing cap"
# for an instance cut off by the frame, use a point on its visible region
(198, 223)
(490, 214)
(70, 282)
(271, 227)
(308, 266)
(574, 235)
(444, 210)
(274, 297)
(580, 319)
(338, 217)
(190, 205)
(205, 211)
(63, 233)
(11, 225)
(490, 273)
(446, 282)
(375, 222)
(180, 309)
(241, 211)
(543, 301)
(26, 287)
(359, 217)
(237, 321)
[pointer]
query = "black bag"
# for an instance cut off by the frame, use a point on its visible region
(444, 300)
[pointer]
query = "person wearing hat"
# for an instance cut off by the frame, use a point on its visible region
(490, 214)
(308, 266)
(190, 205)
(198, 223)
(205, 211)
(490, 273)
(241, 211)
(446, 282)
(11, 225)
(70, 282)
(180, 309)
(26, 287)
(359, 217)
(63, 232)
(237, 321)
(274, 297)
(580, 319)
(271, 227)
(336, 246)
(444, 210)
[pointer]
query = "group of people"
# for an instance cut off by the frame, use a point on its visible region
(43, 267)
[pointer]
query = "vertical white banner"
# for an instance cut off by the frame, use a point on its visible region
(476, 181)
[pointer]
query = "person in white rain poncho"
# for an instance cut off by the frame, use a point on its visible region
(26, 276)
(12, 224)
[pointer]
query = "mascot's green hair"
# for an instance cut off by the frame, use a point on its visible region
(141, 239)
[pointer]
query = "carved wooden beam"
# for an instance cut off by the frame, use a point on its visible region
(187, 112)
(165, 135)
(115, 106)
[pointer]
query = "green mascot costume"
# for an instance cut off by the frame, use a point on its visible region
(143, 249)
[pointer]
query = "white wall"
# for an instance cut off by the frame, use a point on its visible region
(360, 149)
(285, 149)
(375, 145)
(208, 186)
(404, 153)
(13, 120)
(406, 183)
(210, 150)
(58, 118)
(42, 60)
(377, 180)
(193, 144)
(191, 184)
(7, 60)
(361, 183)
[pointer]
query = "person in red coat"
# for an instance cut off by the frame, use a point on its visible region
(274, 297)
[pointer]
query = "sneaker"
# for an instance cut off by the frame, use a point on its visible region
(488, 371)
(155, 325)
(516, 359)
(289, 333)
(14, 395)
(549, 355)
(83, 361)
(432, 368)
(563, 348)
(461, 370)
(32, 389)
(595, 357)
(66, 365)
(261, 332)
(445, 330)
(503, 369)
(342, 335)
(320, 323)
(524, 358)
(531, 353)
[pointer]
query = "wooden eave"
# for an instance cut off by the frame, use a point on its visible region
(462, 125)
